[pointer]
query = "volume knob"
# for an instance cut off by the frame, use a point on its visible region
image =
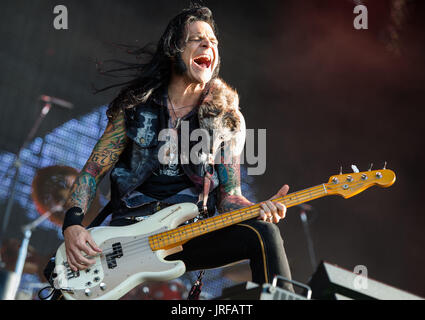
(87, 292)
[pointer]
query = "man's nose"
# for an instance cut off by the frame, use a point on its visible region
(207, 43)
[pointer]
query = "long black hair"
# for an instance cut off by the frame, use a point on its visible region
(162, 60)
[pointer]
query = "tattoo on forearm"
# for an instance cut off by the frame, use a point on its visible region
(92, 168)
(83, 192)
(230, 193)
(104, 155)
(230, 179)
(232, 203)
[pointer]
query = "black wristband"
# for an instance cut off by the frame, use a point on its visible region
(74, 216)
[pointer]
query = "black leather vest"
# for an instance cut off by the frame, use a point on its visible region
(140, 158)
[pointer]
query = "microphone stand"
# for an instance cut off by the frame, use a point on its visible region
(304, 220)
(9, 281)
(17, 164)
(23, 250)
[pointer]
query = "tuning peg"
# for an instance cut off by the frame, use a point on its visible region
(370, 168)
(355, 169)
(385, 166)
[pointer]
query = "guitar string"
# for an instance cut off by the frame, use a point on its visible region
(141, 250)
(179, 235)
(298, 195)
(247, 211)
(130, 248)
(195, 227)
(289, 198)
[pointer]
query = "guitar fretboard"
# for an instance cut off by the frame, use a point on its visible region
(181, 235)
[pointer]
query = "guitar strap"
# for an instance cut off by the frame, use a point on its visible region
(203, 196)
(105, 212)
(209, 172)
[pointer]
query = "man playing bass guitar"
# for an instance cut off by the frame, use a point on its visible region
(179, 85)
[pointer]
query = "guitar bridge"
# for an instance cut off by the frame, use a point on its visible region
(70, 273)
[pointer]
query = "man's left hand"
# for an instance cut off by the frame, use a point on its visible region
(274, 211)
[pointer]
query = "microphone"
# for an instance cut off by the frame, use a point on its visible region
(56, 101)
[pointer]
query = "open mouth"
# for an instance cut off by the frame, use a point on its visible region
(203, 61)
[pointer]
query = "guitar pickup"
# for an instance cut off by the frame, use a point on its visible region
(112, 263)
(117, 250)
(111, 259)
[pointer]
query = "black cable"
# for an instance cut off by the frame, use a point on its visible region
(45, 288)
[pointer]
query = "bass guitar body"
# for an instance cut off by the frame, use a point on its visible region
(127, 258)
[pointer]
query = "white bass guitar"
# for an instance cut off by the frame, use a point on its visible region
(135, 254)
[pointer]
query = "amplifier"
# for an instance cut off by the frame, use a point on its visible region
(331, 282)
(266, 291)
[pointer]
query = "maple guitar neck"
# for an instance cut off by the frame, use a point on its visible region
(181, 235)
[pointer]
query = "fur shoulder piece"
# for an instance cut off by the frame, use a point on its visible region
(219, 114)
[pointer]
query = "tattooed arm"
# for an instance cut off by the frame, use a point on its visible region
(231, 198)
(104, 156)
(230, 192)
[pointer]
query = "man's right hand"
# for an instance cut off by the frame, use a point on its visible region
(77, 242)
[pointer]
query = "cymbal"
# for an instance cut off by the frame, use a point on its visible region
(51, 187)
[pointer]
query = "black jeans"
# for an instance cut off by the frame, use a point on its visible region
(256, 240)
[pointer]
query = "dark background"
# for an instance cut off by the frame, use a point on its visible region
(328, 95)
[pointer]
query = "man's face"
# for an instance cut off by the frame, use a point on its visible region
(201, 52)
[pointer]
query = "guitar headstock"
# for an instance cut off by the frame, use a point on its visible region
(351, 184)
